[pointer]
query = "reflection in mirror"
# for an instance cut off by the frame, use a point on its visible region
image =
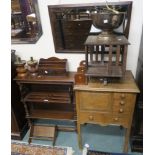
(25, 21)
(72, 23)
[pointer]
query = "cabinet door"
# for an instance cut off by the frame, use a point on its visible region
(95, 101)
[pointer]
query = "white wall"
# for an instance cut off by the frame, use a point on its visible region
(45, 47)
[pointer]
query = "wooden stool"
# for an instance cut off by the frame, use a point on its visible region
(43, 132)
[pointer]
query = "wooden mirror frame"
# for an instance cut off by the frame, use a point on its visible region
(31, 40)
(74, 35)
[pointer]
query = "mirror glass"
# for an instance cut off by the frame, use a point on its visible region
(25, 21)
(72, 23)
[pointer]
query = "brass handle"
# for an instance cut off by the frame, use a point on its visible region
(121, 110)
(91, 118)
(122, 102)
(116, 119)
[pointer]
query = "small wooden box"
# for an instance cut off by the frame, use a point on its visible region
(52, 66)
(80, 78)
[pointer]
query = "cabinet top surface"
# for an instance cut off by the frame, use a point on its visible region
(125, 85)
(46, 79)
(113, 40)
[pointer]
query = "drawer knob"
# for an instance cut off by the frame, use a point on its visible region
(122, 95)
(115, 119)
(91, 118)
(121, 110)
(80, 77)
(122, 102)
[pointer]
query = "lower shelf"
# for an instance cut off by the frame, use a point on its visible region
(43, 132)
(50, 114)
(48, 97)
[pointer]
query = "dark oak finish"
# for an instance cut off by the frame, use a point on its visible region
(110, 40)
(25, 22)
(51, 114)
(71, 24)
(101, 104)
(19, 124)
(48, 97)
(52, 66)
(108, 62)
(80, 77)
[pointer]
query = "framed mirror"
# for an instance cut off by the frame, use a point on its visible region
(72, 23)
(25, 22)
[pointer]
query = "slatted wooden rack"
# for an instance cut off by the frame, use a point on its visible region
(106, 56)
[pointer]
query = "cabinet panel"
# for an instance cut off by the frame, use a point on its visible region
(95, 101)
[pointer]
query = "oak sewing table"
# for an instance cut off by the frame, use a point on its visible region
(111, 104)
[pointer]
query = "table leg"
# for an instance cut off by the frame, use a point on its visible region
(79, 135)
(127, 134)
